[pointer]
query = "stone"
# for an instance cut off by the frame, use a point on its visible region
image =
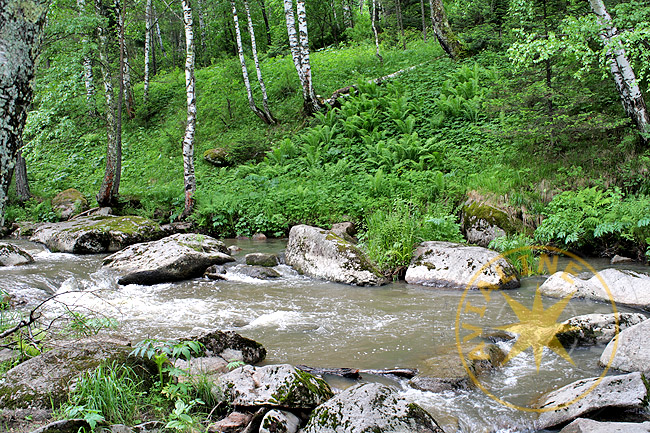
(11, 255)
(620, 259)
(632, 350)
(96, 234)
(280, 386)
(174, 258)
(457, 266)
(322, 254)
(439, 384)
(259, 272)
(586, 425)
(590, 329)
(215, 272)
(218, 157)
(258, 237)
(624, 392)
(64, 426)
(234, 249)
(279, 421)
(234, 423)
(220, 343)
(68, 203)
(367, 408)
(482, 222)
(212, 366)
(345, 230)
(626, 287)
(262, 259)
(177, 227)
(44, 380)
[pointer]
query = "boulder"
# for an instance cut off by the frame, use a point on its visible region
(96, 234)
(258, 237)
(234, 249)
(280, 386)
(279, 421)
(209, 366)
(176, 257)
(620, 259)
(64, 426)
(234, 423)
(345, 230)
(586, 425)
(626, 287)
(320, 253)
(592, 329)
(45, 380)
(230, 345)
(457, 266)
(259, 272)
(367, 408)
(632, 350)
(11, 255)
(68, 203)
(625, 392)
(262, 259)
(483, 222)
(218, 157)
(215, 272)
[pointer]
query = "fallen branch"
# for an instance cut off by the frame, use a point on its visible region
(355, 374)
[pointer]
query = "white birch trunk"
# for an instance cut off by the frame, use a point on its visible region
(293, 38)
(190, 85)
(147, 48)
(202, 24)
(347, 14)
(126, 70)
(624, 77)
(21, 28)
(361, 7)
(160, 42)
(260, 80)
(88, 66)
(374, 30)
(312, 104)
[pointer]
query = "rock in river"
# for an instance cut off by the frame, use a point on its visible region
(11, 255)
(370, 407)
(624, 392)
(595, 328)
(632, 350)
(96, 234)
(262, 259)
(586, 425)
(176, 257)
(455, 266)
(323, 254)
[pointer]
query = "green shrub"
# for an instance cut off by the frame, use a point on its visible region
(516, 250)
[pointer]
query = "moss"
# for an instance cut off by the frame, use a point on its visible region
(290, 394)
(476, 211)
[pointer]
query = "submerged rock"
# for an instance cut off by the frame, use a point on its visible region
(632, 350)
(44, 380)
(370, 407)
(11, 255)
(96, 234)
(259, 272)
(176, 257)
(591, 329)
(457, 266)
(322, 254)
(620, 259)
(275, 386)
(262, 259)
(625, 392)
(626, 287)
(68, 203)
(586, 425)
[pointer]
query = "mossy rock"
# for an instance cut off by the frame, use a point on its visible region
(68, 203)
(218, 157)
(482, 222)
(11, 255)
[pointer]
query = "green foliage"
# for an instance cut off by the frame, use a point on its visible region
(516, 249)
(462, 96)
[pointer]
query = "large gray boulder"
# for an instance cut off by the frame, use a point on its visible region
(45, 380)
(591, 329)
(281, 386)
(632, 350)
(68, 203)
(457, 266)
(262, 259)
(176, 257)
(625, 392)
(11, 255)
(96, 234)
(321, 253)
(626, 287)
(369, 408)
(586, 425)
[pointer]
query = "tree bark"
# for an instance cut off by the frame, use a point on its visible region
(424, 21)
(88, 67)
(22, 184)
(624, 77)
(347, 14)
(311, 102)
(400, 22)
(125, 73)
(266, 22)
(199, 4)
(107, 195)
(374, 30)
(441, 28)
(190, 85)
(160, 41)
(147, 47)
(21, 29)
(265, 99)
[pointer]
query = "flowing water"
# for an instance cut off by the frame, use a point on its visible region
(304, 321)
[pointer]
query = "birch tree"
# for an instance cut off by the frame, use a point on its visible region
(89, 79)
(260, 80)
(374, 30)
(624, 77)
(21, 29)
(125, 73)
(441, 28)
(190, 88)
(147, 47)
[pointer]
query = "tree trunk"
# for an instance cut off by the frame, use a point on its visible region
(107, 195)
(265, 99)
(21, 28)
(244, 70)
(22, 184)
(266, 23)
(311, 103)
(88, 67)
(347, 14)
(160, 42)
(424, 21)
(442, 30)
(125, 73)
(147, 48)
(374, 30)
(199, 4)
(624, 77)
(188, 139)
(293, 38)
(400, 22)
